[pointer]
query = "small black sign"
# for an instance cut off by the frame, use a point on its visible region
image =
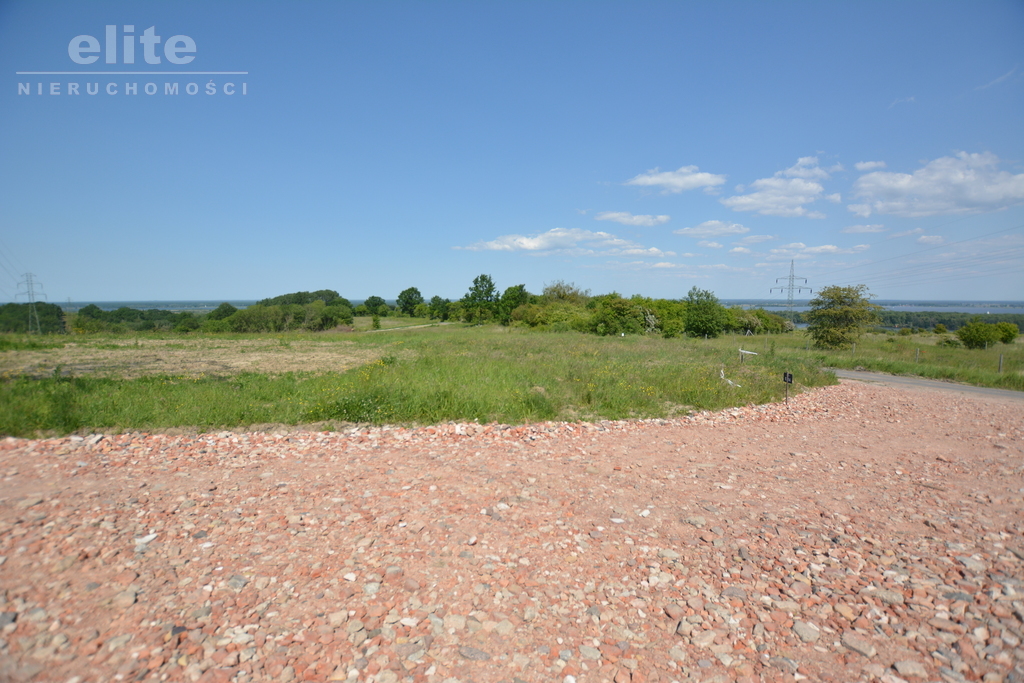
(787, 377)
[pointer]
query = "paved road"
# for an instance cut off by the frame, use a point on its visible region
(921, 383)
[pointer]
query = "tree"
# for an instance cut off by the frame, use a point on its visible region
(838, 315)
(704, 315)
(479, 302)
(438, 307)
(408, 300)
(221, 312)
(560, 290)
(513, 298)
(376, 305)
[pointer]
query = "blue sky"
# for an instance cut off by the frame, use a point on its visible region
(640, 147)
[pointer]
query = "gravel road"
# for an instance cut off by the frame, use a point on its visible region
(904, 382)
(860, 533)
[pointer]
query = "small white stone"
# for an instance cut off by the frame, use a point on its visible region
(351, 576)
(645, 513)
(615, 520)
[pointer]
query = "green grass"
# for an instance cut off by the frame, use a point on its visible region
(915, 355)
(365, 322)
(432, 375)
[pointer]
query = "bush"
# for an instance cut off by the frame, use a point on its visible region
(978, 335)
(215, 326)
(1007, 332)
(613, 315)
(940, 329)
(950, 342)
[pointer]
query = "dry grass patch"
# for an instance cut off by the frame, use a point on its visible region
(190, 357)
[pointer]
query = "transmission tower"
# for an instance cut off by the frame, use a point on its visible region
(30, 292)
(791, 287)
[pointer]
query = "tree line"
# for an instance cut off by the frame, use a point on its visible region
(563, 306)
(837, 316)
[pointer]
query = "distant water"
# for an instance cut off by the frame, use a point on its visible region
(193, 306)
(975, 307)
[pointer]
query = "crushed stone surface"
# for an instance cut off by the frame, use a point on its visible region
(859, 533)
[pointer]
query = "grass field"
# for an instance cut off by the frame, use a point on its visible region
(430, 374)
(416, 376)
(913, 355)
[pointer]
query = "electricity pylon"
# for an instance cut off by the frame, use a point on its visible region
(791, 287)
(30, 292)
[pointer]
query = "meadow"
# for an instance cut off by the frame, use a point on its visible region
(424, 375)
(428, 375)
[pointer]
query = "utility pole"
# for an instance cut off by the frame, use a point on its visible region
(30, 292)
(791, 287)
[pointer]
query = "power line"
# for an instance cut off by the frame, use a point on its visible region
(921, 251)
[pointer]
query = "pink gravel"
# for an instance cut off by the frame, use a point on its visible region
(859, 533)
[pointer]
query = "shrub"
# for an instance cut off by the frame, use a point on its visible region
(978, 335)
(940, 329)
(1007, 332)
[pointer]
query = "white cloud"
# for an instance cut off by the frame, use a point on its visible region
(686, 178)
(573, 241)
(856, 229)
(713, 229)
(755, 239)
(965, 183)
(785, 193)
(799, 250)
(710, 245)
(835, 198)
(901, 100)
(869, 165)
(740, 250)
(907, 233)
(931, 239)
(629, 219)
(806, 168)
(833, 249)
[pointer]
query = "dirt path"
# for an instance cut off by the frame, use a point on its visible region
(861, 533)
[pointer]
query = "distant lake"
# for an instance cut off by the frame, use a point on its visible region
(975, 307)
